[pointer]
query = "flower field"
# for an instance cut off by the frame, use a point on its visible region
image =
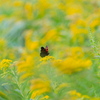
(71, 31)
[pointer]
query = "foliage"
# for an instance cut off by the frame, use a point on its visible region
(70, 29)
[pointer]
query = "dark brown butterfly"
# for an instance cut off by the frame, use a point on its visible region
(44, 52)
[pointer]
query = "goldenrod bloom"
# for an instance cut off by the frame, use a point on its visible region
(71, 65)
(40, 86)
(76, 95)
(45, 97)
(26, 67)
(5, 63)
(18, 3)
(28, 10)
(46, 58)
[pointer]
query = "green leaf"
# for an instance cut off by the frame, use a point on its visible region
(24, 85)
(29, 94)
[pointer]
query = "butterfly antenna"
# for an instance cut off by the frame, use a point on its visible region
(46, 47)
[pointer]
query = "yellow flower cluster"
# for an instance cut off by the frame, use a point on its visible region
(45, 97)
(76, 95)
(74, 61)
(18, 3)
(50, 35)
(75, 52)
(40, 86)
(79, 30)
(4, 64)
(46, 58)
(71, 65)
(26, 67)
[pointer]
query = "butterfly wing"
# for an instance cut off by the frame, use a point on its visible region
(44, 52)
(46, 49)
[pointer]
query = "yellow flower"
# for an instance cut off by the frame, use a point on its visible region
(50, 35)
(71, 65)
(77, 52)
(46, 58)
(5, 63)
(45, 97)
(42, 5)
(26, 67)
(26, 75)
(28, 6)
(81, 22)
(39, 86)
(76, 95)
(32, 45)
(73, 9)
(79, 29)
(18, 3)
(62, 6)
(34, 94)
(28, 10)
(95, 22)
(95, 98)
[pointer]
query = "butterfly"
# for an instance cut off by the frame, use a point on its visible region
(44, 52)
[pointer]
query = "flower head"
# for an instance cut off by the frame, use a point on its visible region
(5, 63)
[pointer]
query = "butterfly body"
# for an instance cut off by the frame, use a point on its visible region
(44, 52)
